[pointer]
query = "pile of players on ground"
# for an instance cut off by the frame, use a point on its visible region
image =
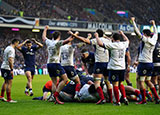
(106, 68)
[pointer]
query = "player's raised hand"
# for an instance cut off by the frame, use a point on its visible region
(70, 32)
(96, 35)
(26, 41)
(47, 27)
(152, 22)
(33, 39)
(133, 18)
(121, 32)
(89, 36)
(76, 33)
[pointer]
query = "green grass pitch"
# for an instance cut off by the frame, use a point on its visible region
(26, 106)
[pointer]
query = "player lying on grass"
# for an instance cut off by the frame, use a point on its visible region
(87, 92)
(28, 50)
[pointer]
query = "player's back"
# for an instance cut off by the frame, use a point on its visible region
(67, 53)
(101, 54)
(53, 48)
(8, 52)
(146, 49)
(117, 55)
(48, 85)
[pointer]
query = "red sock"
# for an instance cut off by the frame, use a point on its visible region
(57, 83)
(122, 89)
(143, 92)
(56, 94)
(8, 96)
(110, 95)
(137, 92)
(78, 87)
(100, 92)
(116, 93)
(2, 92)
(155, 93)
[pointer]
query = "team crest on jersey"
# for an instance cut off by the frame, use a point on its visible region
(58, 72)
(144, 71)
(72, 73)
(113, 77)
(97, 70)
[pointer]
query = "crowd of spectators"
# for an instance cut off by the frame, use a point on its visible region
(143, 10)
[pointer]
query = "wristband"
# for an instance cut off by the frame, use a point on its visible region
(11, 69)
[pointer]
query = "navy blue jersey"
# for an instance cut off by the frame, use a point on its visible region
(70, 88)
(29, 56)
(156, 53)
(90, 59)
(126, 59)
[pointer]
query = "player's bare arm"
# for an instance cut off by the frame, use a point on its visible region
(44, 35)
(128, 60)
(154, 26)
(11, 61)
(80, 38)
(135, 27)
(124, 36)
(38, 43)
(100, 43)
(23, 43)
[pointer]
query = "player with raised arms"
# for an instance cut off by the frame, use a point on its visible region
(145, 66)
(53, 64)
(28, 52)
(67, 55)
(101, 63)
(116, 65)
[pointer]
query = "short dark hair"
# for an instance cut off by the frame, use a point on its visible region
(92, 89)
(147, 32)
(28, 42)
(84, 50)
(100, 32)
(15, 41)
(56, 34)
(116, 36)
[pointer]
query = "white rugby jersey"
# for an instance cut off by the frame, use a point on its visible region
(146, 48)
(8, 52)
(101, 54)
(84, 94)
(67, 53)
(117, 57)
(53, 48)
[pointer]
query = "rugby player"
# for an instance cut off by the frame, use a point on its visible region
(66, 58)
(101, 62)
(28, 52)
(156, 63)
(145, 66)
(7, 70)
(88, 59)
(116, 65)
(53, 64)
